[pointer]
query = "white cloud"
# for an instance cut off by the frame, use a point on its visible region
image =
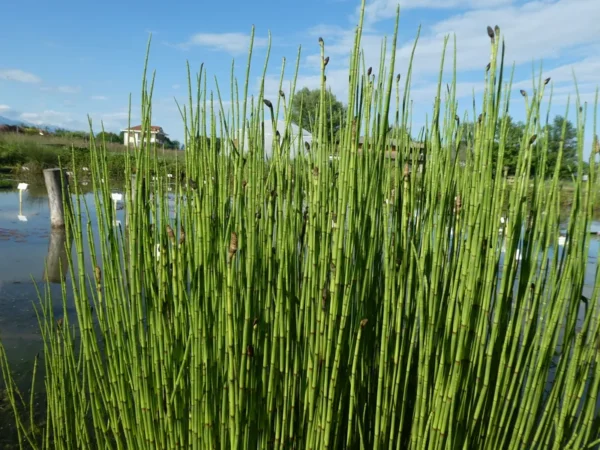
(112, 121)
(585, 71)
(19, 75)
(377, 10)
(234, 43)
(535, 32)
(69, 89)
(4, 108)
(526, 29)
(98, 97)
(52, 117)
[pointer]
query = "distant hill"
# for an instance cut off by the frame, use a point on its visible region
(7, 121)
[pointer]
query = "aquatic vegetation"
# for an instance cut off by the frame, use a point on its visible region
(318, 302)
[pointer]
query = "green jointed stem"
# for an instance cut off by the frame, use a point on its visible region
(349, 297)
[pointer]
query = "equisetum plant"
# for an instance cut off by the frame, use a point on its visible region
(342, 298)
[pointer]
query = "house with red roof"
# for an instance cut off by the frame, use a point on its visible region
(133, 135)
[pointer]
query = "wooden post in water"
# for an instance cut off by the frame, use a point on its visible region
(55, 179)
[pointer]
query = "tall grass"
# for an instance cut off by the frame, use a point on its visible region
(317, 303)
(41, 152)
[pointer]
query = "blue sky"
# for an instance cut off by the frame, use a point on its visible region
(61, 63)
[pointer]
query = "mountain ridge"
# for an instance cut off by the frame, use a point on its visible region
(23, 123)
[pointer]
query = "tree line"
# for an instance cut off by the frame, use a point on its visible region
(304, 110)
(515, 138)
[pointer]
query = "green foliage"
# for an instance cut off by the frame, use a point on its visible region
(304, 111)
(172, 144)
(109, 137)
(568, 166)
(512, 145)
(83, 135)
(513, 141)
(41, 153)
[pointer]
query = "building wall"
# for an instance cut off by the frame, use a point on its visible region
(134, 138)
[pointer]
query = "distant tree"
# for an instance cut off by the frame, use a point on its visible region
(109, 137)
(512, 145)
(171, 144)
(569, 158)
(305, 109)
(515, 138)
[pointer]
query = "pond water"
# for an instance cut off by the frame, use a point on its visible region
(26, 245)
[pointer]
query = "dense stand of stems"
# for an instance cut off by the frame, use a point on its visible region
(314, 302)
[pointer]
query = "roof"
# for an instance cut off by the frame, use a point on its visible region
(154, 128)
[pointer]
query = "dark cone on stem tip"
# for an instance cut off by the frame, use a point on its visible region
(398, 78)
(250, 351)
(532, 139)
(307, 146)
(98, 274)
(364, 322)
(324, 77)
(490, 32)
(282, 94)
(497, 30)
(268, 103)
(369, 71)
(326, 61)
(546, 81)
(487, 68)
(523, 93)
(321, 41)
(457, 119)
(255, 322)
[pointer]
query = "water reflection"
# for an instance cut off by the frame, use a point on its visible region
(57, 261)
